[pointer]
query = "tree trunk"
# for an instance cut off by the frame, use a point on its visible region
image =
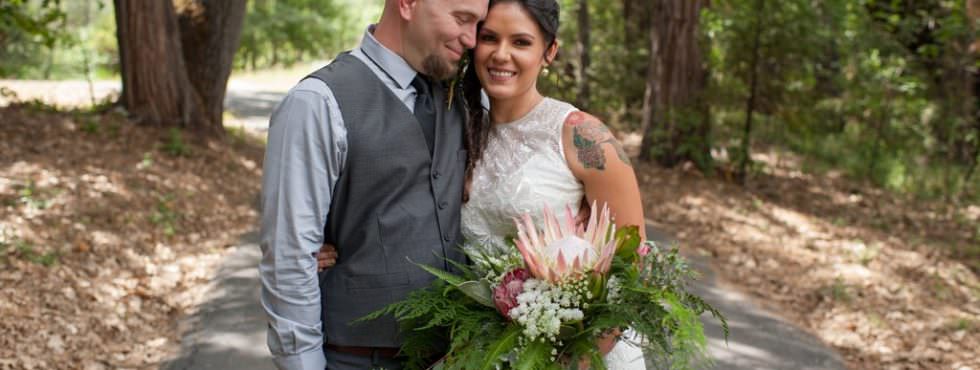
(745, 155)
(636, 31)
(210, 33)
(584, 57)
(628, 20)
(175, 73)
(675, 122)
(156, 89)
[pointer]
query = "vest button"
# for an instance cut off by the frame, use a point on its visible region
(445, 237)
(436, 174)
(443, 205)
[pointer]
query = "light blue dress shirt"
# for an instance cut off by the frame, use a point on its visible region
(305, 154)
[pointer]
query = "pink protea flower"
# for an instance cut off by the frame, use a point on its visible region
(505, 294)
(564, 250)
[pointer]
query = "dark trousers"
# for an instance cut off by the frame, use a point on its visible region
(346, 361)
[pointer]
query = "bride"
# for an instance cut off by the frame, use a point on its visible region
(529, 151)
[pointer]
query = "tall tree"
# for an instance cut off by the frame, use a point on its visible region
(582, 74)
(745, 157)
(175, 59)
(636, 32)
(210, 31)
(675, 124)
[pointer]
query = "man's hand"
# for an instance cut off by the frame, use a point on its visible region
(326, 257)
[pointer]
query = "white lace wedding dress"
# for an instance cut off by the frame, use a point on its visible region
(523, 170)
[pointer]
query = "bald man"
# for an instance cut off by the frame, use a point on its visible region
(365, 154)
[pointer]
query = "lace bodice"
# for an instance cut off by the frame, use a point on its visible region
(523, 170)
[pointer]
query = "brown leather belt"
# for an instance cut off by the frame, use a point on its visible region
(386, 352)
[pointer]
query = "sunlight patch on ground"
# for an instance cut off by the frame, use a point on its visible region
(867, 271)
(105, 239)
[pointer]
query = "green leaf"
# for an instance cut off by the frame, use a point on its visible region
(443, 275)
(535, 357)
(628, 239)
(479, 290)
(466, 269)
(504, 344)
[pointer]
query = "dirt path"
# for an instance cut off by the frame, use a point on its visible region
(248, 101)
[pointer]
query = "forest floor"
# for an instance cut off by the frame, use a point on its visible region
(889, 282)
(109, 233)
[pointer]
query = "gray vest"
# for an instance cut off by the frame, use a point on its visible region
(393, 204)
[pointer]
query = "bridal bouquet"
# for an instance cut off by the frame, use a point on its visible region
(546, 305)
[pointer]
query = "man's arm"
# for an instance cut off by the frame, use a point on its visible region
(304, 155)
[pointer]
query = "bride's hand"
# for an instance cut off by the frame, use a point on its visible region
(608, 340)
(605, 343)
(326, 257)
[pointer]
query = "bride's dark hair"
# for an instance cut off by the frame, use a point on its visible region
(545, 13)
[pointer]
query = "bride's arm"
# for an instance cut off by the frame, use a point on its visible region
(597, 159)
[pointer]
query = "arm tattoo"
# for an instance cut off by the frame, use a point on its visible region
(588, 137)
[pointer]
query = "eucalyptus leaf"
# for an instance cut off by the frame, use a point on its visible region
(479, 290)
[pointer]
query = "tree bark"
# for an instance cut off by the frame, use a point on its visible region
(156, 89)
(210, 33)
(675, 119)
(175, 73)
(584, 57)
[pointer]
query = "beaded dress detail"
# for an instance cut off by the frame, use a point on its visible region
(523, 169)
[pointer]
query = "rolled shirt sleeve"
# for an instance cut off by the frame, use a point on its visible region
(304, 156)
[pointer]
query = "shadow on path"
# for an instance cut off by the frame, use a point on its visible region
(757, 339)
(228, 332)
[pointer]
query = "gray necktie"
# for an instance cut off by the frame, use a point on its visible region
(424, 111)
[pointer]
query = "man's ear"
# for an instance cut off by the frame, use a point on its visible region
(407, 8)
(551, 53)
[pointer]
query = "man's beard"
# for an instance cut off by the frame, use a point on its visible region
(438, 68)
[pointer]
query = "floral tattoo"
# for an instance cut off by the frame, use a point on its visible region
(588, 135)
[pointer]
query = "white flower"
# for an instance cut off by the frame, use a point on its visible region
(542, 308)
(614, 286)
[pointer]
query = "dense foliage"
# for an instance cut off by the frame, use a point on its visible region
(284, 32)
(885, 90)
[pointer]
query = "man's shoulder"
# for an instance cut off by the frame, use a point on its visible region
(310, 91)
(346, 65)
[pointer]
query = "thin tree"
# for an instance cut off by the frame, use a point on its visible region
(583, 46)
(745, 155)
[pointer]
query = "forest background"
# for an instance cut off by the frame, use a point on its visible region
(823, 153)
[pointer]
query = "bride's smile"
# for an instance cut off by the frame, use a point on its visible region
(510, 52)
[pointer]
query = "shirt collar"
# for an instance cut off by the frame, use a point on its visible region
(392, 64)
